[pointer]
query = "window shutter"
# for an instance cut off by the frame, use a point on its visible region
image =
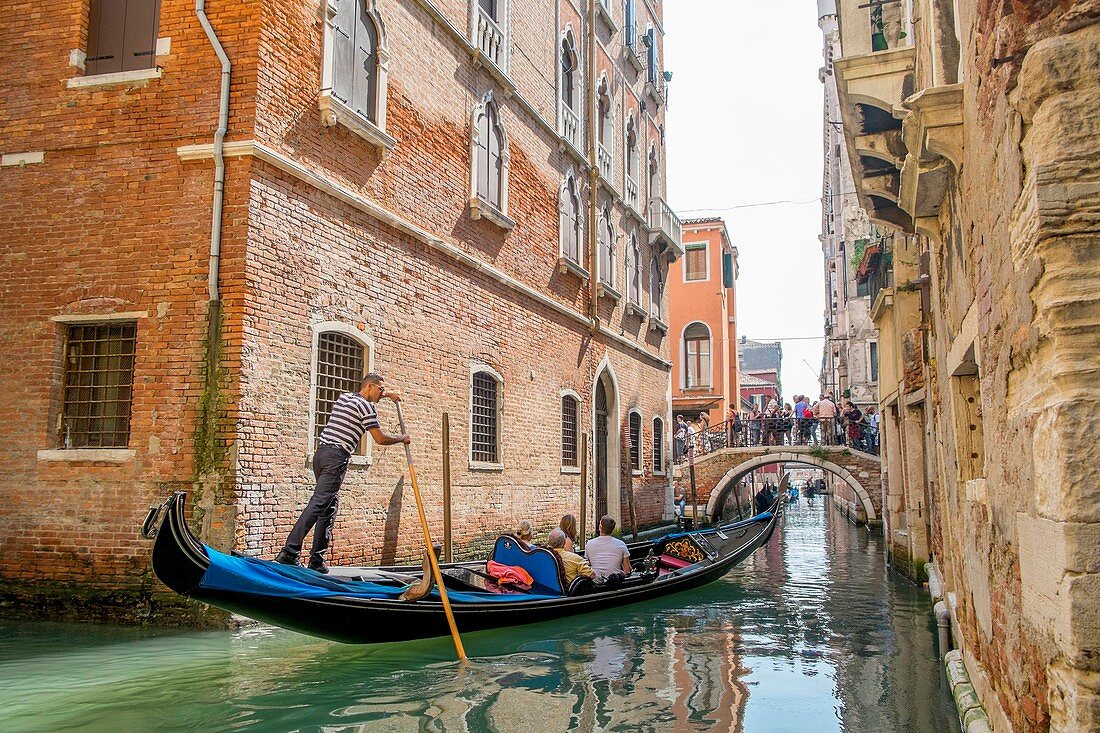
(652, 56)
(366, 64)
(106, 35)
(494, 161)
(343, 51)
(140, 36)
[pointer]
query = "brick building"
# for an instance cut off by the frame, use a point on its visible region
(467, 196)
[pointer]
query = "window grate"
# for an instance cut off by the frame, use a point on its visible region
(569, 431)
(99, 385)
(485, 419)
(658, 445)
(339, 369)
(635, 427)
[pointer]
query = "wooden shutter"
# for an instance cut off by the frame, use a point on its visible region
(106, 34)
(481, 155)
(366, 64)
(139, 48)
(572, 238)
(494, 161)
(652, 56)
(343, 51)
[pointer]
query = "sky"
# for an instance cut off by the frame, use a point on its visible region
(744, 126)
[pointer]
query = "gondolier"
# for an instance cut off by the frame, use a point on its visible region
(353, 414)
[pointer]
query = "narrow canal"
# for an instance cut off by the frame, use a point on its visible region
(812, 634)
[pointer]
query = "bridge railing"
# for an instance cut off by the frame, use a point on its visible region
(777, 431)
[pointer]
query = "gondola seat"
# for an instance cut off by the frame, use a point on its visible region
(544, 566)
(582, 586)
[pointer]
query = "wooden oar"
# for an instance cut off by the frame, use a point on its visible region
(428, 542)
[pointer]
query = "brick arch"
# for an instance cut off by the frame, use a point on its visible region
(727, 482)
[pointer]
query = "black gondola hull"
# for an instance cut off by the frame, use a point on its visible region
(179, 560)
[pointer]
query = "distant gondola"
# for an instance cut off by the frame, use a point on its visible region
(362, 605)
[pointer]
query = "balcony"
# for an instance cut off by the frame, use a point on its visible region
(631, 51)
(571, 127)
(606, 164)
(665, 230)
(933, 138)
(630, 193)
(491, 41)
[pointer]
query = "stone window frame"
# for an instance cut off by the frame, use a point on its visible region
(569, 36)
(100, 455)
(479, 207)
(78, 59)
(606, 240)
(499, 71)
(635, 271)
(577, 419)
(478, 367)
(335, 112)
(565, 262)
(367, 341)
(706, 261)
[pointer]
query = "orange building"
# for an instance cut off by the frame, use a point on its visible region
(702, 319)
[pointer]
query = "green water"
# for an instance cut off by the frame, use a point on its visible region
(812, 634)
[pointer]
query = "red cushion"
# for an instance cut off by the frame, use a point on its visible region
(673, 562)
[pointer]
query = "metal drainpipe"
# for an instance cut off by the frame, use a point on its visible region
(943, 627)
(593, 174)
(219, 158)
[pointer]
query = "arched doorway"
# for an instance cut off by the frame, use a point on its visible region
(601, 450)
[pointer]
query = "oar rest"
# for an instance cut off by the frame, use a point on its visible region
(543, 565)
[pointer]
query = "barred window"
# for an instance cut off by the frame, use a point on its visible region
(569, 431)
(485, 419)
(340, 366)
(635, 426)
(99, 385)
(658, 445)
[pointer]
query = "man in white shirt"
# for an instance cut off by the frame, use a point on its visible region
(607, 554)
(825, 411)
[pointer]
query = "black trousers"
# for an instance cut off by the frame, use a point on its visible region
(330, 464)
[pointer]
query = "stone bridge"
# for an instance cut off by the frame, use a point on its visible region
(717, 473)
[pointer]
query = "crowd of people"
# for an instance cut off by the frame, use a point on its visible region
(821, 422)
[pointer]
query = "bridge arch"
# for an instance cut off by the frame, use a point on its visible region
(728, 481)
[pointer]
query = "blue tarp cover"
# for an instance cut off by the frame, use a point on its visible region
(265, 578)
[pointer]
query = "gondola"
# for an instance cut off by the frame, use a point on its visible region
(363, 605)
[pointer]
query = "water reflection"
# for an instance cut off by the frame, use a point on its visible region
(810, 635)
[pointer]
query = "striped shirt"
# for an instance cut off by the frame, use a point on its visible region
(352, 415)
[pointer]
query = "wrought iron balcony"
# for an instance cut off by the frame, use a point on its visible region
(665, 230)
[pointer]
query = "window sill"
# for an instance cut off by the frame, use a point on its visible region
(605, 17)
(506, 83)
(334, 112)
(659, 473)
(571, 470)
(635, 309)
(606, 291)
(88, 455)
(137, 77)
(636, 472)
(480, 466)
(634, 58)
(654, 93)
(480, 209)
(567, 265)
(573, 150)
(656, 324)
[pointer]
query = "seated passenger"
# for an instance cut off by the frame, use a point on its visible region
(525, 533)
(607, 554)
(574, 564)
(569, 526)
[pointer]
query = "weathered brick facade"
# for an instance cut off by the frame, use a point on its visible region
(321, 229)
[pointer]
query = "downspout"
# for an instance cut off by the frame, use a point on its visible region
(219, 157)
(593, 175)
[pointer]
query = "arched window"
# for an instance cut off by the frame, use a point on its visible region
(604, 121)
(658, 445)
(568, 72)
(631, 149)
(489, 165)
(607, 247)
(656, 290)
(569, 206)
(340, 361)
(634, 427)
(634, 271)
(485, 417)
(697, 355)
(355, 70)
(569, 431)
(654, 174)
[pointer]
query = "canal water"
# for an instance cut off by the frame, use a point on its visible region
(811, 634)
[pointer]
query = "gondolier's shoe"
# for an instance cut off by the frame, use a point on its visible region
(319, 566)
(286, 558)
